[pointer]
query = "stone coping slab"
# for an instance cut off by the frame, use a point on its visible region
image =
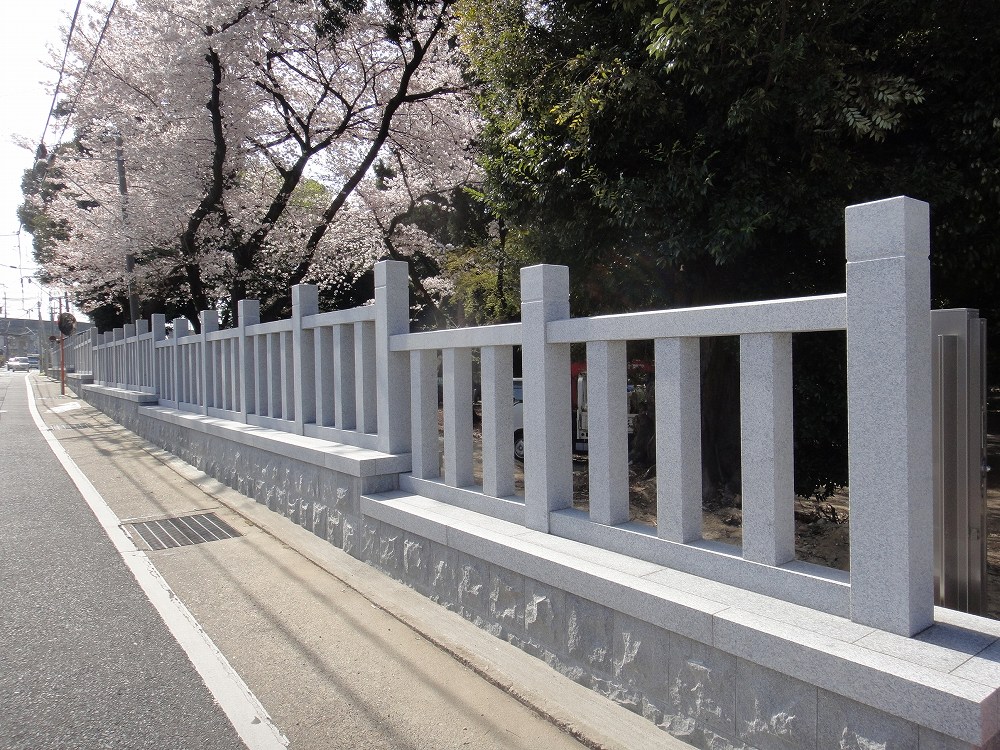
(947, 678)
(347, 459)
(137, 397)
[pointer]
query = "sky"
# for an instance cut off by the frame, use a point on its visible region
(27, 31)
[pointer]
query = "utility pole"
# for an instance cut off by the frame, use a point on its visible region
(62, 350)
(43, 351)
(133, 298)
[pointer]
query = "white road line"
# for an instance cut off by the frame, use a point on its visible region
(71, 406)
(241, 706)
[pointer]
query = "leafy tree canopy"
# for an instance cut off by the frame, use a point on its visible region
(679, 152)
(246, 132)
(726, 138)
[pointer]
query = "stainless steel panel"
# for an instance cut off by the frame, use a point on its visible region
(959, 409)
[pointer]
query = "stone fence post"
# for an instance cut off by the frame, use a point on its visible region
(889, 415)
(392, 317)
(548, 416)
(130, 344)
(140, 375)
(305, 301)
(248, 312)
(94, 354)
(181, 330)
(209, 324)
(100, 359)
(158, 325)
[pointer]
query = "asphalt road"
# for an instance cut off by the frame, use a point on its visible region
(85, 660)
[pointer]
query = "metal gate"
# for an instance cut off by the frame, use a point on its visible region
(959, 410)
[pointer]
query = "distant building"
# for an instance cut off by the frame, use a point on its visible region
(20, 337)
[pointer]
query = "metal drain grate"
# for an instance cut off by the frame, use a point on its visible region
(179, 532)
(76, 426)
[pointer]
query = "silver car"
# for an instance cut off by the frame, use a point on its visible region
(18, 364)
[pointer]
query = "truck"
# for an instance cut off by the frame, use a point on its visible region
(580, 422)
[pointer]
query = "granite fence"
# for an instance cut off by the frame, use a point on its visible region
(334, 420)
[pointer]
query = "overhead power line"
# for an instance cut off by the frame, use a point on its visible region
(62, 70)
(40, 152)
(86, 73)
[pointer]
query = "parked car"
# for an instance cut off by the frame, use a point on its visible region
(18, 364)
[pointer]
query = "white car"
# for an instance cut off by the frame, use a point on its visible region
(18, 364)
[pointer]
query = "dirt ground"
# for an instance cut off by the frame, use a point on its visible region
(821, 527)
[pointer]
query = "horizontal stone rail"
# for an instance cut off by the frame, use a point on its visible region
(822, 313)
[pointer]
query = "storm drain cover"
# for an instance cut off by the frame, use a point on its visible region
(76, 426)
(184, 530)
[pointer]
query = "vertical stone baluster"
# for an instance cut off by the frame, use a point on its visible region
(129, 345)
(346, 405)
(287, 374)
(677, 385)
(766, 436)
(141, 358)
(324, 369)
(456, 371)
(607, 422)
(424, 414)
(497, 382)
(365, 382)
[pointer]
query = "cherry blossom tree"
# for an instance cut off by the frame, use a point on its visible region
(248, 131)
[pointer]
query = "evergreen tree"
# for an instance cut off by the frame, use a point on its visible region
(700, 151)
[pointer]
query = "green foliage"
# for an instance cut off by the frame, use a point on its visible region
(710, 147)
(710, 130)
(479, 258)
(485, 274)
(39, 185)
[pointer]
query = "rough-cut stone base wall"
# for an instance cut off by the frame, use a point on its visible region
(701, 694)
(697, 693)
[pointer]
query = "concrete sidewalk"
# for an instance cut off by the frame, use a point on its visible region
(340, 655)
